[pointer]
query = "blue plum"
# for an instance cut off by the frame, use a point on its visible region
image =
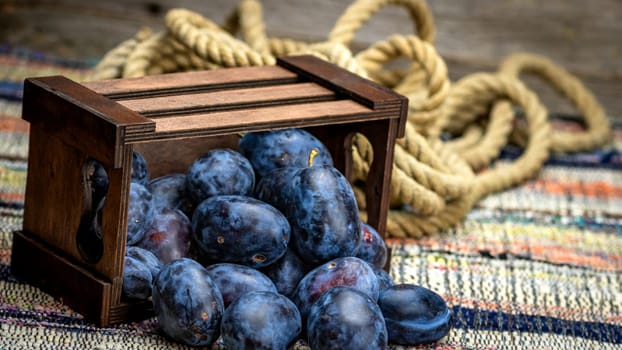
(414, 315)
(140, 169)
(89, 235)
(346, 271)
(286, 272)
(346, 318)
(144, 256)
(141, 211)
(234, 280)
(241, 230)
(270, 150)
(384, 279)
(140, 268)
(169, 236)
(99, 182)
(260, 320)
(372, 249)
(170, 191)
(323, 215)
(137, 279)
(274, 187)
(220, 171)
(187, 303)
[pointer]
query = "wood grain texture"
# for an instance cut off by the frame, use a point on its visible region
(61, 277)
(259, 118)
(227, 99)
(190, 81)
(91, 119)
(472, 35)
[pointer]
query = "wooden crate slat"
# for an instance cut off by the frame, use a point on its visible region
(188, 81)
(228, 99)
(244, 119)
(137, 129)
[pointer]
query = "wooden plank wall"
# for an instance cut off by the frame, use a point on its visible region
(472, 35)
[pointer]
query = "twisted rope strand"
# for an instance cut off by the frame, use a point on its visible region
(423, 110)
(486, 88)
(597, 125)
(360, 11)
(480, 145)
(253, 27)
(211, 43)
(111, 65)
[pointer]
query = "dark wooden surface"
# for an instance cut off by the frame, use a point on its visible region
(472, 35)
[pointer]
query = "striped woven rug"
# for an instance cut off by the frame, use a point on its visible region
(535, 267)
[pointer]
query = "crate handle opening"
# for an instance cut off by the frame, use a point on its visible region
(95, 187)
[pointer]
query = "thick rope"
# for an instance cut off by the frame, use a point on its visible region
(597, 131)
(360, 11)
(252, 26)
(490, 142)
(111, 65)
(423, 109)
(211, 43)
(161, 54)
(483, 88)
(434, 184)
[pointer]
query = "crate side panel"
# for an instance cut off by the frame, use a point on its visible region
(43, 267)
(114, 224)
(54, 199)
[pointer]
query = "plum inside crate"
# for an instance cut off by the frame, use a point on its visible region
(172, 119)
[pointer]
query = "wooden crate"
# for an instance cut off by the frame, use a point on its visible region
(172, 119)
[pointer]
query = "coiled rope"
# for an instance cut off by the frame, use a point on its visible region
(434, 183)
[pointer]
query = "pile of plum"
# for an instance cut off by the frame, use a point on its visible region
(263, 246)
